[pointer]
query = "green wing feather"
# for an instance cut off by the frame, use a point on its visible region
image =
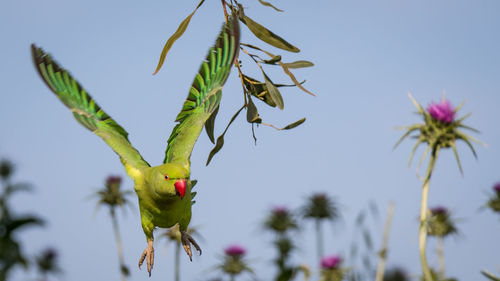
(86, 111)
(204, 96)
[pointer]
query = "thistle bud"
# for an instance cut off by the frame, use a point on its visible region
(442, 111)
(330, 262)
(235, 250)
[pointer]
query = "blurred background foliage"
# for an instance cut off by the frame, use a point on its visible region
(282, 222)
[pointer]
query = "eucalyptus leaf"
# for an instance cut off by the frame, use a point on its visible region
(270, 5)
(220, 139)
(294, 80)
(218, 146)
(299, 64)
(294, 124)
(273, 60)
(177, 34)
(258, 90)
(267, 36)
(285, 68)
(274, 92)
(252, 112)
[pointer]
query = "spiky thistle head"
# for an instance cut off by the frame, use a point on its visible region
(47, 261)
(440, 223)
(111, 194)
(280, 220)
(494, 201)
(320, 206)
(234, 263)
(331, 269)
(440, 129)
(6, 168)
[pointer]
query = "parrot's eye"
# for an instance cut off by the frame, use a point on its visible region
(167, 177)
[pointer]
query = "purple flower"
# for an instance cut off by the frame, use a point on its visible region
(442, 111)
(235, 250)
(330, 262)
(497, 187)
(440, 210)
(113, 180)
(280, 210)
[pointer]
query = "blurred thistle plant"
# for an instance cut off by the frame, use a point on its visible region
(320, 207)
(47, 263)
(234, 263)
(439, 130)
(6, 168)
(112, 196)
(281, 222)
(11, 254)
(266, 90)
(331, 269)
(362, 253)
(494, 201)
(396, 274)
(440, 225)
(174, 235)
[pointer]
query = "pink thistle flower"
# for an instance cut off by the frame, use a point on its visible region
(235, 250)
(113, 180)
(330, 262)
(497, 187)
(442, 111)
(281, 210)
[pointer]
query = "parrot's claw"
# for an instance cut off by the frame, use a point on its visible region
(187, 240)
(149, 255)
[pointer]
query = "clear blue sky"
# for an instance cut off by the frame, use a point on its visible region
(368, 55)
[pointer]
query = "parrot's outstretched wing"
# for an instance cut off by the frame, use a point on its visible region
(86, 111)
(204, 96)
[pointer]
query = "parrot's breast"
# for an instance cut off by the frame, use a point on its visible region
(165, 212)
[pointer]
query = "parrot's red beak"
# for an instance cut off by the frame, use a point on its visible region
(180, 188)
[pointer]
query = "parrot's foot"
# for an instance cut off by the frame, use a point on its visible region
(149, 255)
(187, 240)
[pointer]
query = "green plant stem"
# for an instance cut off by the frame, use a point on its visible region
(118, 243)
(440, 254)
(177, 260)
(423, 215)
(319, 238)
(385, 241)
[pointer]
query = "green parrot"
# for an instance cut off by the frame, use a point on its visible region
(164, 191)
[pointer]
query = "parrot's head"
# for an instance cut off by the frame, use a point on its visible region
(170, 180)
